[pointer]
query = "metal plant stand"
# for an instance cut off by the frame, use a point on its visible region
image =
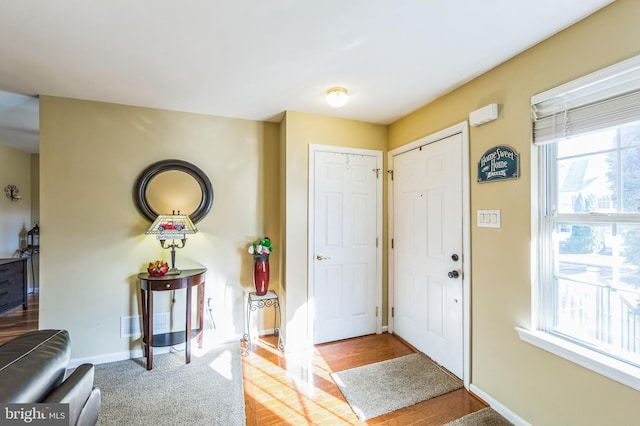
(255, 302)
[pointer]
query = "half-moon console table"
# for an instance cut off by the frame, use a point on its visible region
(185, 280)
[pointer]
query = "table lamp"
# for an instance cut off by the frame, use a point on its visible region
(172, 227)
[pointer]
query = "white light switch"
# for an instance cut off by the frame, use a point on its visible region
(489, 219)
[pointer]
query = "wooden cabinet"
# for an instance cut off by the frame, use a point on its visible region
(13, 283)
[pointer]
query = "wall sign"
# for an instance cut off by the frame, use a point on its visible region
(498, 163)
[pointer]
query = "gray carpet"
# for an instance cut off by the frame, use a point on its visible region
(207, 391)
(383, 387)
(485, 417)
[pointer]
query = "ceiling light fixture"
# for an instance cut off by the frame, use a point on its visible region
(337, 97)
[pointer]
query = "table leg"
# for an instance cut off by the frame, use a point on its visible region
(149, 330)
(247, 335)
(276, 330)
(187, 336)
(145, 339)
(278, 334)
(201, 294)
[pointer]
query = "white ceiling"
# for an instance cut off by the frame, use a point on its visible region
(255, 59)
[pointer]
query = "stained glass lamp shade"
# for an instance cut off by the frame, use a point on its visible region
(172, 227)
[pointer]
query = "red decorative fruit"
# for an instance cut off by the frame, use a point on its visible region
(158, 267)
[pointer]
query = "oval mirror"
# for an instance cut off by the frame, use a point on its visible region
(173, 185)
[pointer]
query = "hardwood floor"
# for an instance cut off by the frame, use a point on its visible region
(17, 320)
(281, 391)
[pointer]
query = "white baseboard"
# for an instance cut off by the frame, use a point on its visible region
(265, 332)
(504, 411)
(112, 357)
(137, 353)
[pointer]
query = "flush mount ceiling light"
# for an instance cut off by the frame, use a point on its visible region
(337, 97)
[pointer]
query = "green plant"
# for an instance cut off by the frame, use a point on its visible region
(261, 247)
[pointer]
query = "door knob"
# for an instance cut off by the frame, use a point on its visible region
(321, 257)
(453, 274)
(454, 257)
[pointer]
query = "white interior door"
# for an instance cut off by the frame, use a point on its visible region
(427, 250)
(345, 257)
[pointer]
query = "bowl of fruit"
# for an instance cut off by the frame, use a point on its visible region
(158, 268)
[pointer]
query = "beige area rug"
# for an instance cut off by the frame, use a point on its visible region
(485, 417)
(383, 387)
(207, 391)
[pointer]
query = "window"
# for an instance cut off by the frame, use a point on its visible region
(591, 291)
(588, 294)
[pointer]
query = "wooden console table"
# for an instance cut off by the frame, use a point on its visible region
(185, 280)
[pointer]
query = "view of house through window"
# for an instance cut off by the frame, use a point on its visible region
(591, 290)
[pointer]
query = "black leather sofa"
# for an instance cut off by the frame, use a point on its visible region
(33, 369)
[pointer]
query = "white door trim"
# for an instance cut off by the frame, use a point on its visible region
(313, 148)
(463, 129)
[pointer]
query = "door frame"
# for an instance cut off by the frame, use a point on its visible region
(313, 148)
(463, 130)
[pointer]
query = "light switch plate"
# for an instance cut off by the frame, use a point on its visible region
(489, 219)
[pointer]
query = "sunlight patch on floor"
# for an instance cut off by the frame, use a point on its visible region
(291, 392)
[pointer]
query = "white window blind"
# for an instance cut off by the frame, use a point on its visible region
(606, 98)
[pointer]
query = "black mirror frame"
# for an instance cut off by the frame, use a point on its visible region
(140, 191)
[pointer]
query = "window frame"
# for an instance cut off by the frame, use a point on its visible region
(540, 332)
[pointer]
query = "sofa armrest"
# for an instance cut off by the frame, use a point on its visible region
(33, 365)
(91, 410)
(78, 391)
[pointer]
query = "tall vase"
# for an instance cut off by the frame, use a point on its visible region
(261, 274)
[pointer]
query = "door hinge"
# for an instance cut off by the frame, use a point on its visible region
(392, 244)
(393, 312)
(376, 242)
(377, 172)
(376, 311)
(390, 173)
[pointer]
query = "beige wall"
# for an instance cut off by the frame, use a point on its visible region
(35, 188)
(15, 169)
(302, 130)
(540, 387)
(93, 238)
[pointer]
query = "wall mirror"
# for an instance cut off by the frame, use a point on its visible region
(172, 185)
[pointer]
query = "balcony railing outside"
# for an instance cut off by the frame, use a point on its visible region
(602, 314)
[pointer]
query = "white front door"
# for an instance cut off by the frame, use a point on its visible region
(427, 250)
(344, 253)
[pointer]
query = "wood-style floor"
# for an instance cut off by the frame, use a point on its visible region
(16, 321)
(281, 391)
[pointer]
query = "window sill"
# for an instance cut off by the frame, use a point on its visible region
(616, 370)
